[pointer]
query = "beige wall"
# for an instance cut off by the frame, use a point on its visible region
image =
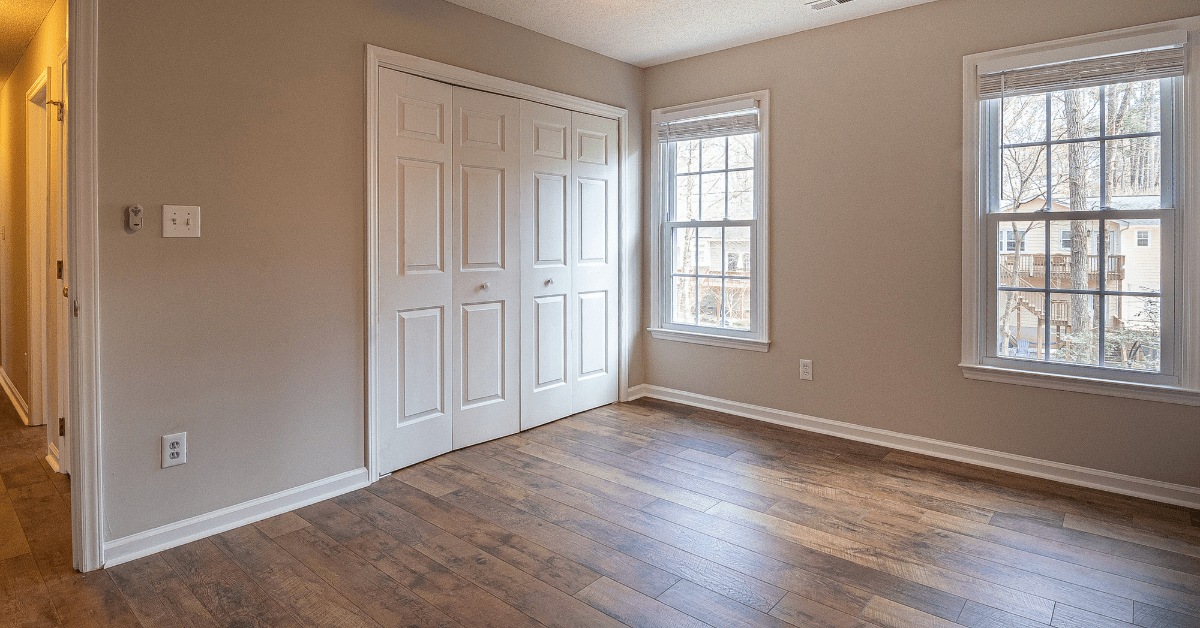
(866, 220)
(251, 337)
(42, 53)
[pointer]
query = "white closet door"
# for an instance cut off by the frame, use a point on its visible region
(414, 343)
(548, 341)
(487, 274)
(594, 269)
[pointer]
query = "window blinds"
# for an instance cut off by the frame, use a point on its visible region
(732, 123)
(1143, 65)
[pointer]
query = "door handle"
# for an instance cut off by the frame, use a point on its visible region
(549, 282)
(484, 286)
(64, 291)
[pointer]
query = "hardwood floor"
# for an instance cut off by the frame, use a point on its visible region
(642, 514)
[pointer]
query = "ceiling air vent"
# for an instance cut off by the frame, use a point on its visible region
(817, 5)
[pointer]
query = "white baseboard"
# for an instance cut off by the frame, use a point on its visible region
(171, 535)
(52, 457)
(15, 396)
(1166, 492)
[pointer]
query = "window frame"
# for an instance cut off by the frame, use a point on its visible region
(757, 338)
(1179, 381)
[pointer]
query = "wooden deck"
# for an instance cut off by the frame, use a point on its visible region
(643, 514)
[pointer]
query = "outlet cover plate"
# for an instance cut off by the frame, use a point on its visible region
(181, 221)
(174, 449)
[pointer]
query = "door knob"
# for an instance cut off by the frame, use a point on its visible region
(484, 286)
(549, 281)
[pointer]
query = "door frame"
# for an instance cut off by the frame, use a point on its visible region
(378, 58)
(37, 226)
(57, 438)
(83, 216)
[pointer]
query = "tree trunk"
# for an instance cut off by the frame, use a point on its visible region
(1081, 311)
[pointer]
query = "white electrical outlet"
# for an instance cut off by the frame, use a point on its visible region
(806, 369)
(174, 449)
(181, 221)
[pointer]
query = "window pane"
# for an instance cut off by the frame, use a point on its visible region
(1023, 178)
(687, 156)
(713, 201)
(1074, 264)
(1075, 113)
(741, 151)
(712, 154)
(684, 250)
(1133, 333)
(1019, 324)
(737, 251)
(683, 300)
(710, 301)
(1135, 173)
(1074, 333)
(741, 195)
(1137, 267)
(709, 243)
(737, 303)
(1024, 119)
(1133, 108)
(1075, 172)
(1021, 254)
(687, 197)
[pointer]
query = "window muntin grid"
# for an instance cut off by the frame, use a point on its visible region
(711, 232)
(1094, 143)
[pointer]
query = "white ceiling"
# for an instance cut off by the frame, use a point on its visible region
(650, 32)
(19, 20)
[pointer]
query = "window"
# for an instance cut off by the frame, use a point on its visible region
(1009, 241)
(1079, 139)
(710, 206)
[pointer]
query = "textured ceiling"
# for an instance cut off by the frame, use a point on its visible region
(19, 20)
(649, 32)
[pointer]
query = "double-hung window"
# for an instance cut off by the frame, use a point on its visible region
(1075, 148)
(710, 203)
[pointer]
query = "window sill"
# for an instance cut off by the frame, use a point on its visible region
(729, 342)
(1128, 390)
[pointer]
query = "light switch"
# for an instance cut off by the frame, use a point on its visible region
(181, 221)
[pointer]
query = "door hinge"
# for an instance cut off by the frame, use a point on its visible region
(62, 426)
(60, 269)
(59, 104)
(76, 308)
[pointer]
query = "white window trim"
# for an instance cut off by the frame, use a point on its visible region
(757, 340)
(1187, 231)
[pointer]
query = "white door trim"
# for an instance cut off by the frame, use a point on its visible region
(87, 508)
(37, 226)
(377, 58)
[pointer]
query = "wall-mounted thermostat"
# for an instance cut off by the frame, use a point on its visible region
(181, 221)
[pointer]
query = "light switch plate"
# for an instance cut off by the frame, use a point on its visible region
(181, 221)
(174, 449)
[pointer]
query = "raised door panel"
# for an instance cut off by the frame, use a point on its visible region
(421, 356)
(422, 214)
(548, 246)
(593, 334)
(550, 341)
(413, 413)
(482, 207)
(487, 286)
(550, 219)
(482, 346)
(593, 221)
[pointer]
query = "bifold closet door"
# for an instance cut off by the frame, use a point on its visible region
(594, 269)
(413, 350)
(568, 263)
(487, 273)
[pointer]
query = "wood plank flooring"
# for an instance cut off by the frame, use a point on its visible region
(640, 515)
